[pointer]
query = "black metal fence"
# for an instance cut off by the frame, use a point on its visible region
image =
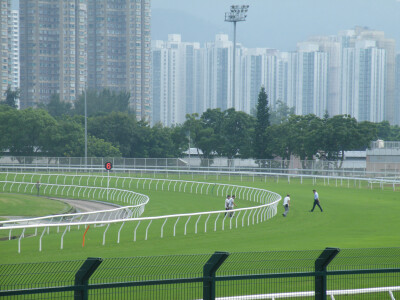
(337, 274)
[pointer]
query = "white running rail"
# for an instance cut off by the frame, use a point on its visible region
(331, 294)
(119, 190)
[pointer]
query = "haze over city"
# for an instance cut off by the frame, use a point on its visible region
(271, 23)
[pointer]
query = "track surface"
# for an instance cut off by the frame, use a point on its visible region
(87, 206)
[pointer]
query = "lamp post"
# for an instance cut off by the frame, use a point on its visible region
(85, 130)
(237, 13)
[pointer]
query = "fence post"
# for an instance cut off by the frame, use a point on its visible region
(320, 266)
(83, 275)
(209, 269)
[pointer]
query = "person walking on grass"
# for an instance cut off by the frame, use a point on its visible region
(227, 203)
(316, 201)
(231, 204)
(286, 205)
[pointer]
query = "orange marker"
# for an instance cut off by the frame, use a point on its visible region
(84, 235)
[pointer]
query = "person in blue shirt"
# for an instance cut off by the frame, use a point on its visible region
(316, 201)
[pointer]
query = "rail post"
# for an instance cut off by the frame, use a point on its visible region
(320, 269)
(209, 269)
(82, 277)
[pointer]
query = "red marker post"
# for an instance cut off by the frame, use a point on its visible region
(108, 166)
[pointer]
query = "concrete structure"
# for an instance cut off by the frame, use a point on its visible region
(384, 157)
(119, 50)
(343, 74)
(52, 50)
(363, 82)
(331, 45)
(218, 73)
(311, 87)
(14, 52)
(352, 39)
(397, 92)
(175, 77)
(72, 45)
(5, 47)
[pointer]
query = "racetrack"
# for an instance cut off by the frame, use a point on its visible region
(87, 206)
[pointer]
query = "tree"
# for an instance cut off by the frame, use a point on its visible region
(117, 128)
(305, 136)
(103, 102)
(26, 132)
(160, 144)
(280, 141)
(340, 134)
(260, 143)
(281, 114)
(202, 134)
(57, 108)
(11, 97)
(213, 119)
(100, 148)
(236, 134)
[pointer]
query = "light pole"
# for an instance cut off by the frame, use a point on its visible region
(236, 14)
(85, 130)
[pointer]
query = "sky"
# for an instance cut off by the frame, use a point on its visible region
(278, 24)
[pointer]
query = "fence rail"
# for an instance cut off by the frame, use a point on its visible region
(346, 168)
(250, 275)
(116, 189)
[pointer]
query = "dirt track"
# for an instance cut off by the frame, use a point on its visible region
(87, 206)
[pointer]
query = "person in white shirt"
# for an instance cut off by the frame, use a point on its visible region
(286, 204)
(227, 202)
(231, 204)
(316, 201)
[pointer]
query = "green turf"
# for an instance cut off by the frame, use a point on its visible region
(353, 217)
(30, 206)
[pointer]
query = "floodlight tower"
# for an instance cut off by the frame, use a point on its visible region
(237, 13)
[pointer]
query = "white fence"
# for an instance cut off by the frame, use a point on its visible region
(277, 175)
(118, 190)
(356, 166)
(330, 293)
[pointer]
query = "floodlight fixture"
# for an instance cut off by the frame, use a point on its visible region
(237, 13)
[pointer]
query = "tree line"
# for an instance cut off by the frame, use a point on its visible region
(56, 129)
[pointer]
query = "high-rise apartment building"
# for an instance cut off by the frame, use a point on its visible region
(331, 45)
(72, 45)
(251, 77)
(14, 53)
(363, 82)
(175, 77)
(5, 46)
(119, 50)
(343, 74)
(397, 84)
(311, 85)
(52, 50)
(349, 39)
(218, 73)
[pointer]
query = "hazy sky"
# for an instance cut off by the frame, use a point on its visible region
(276, 24)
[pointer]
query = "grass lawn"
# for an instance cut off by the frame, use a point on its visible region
(353, 217)
(30, 206)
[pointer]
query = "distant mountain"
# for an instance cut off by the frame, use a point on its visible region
(192, 28)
